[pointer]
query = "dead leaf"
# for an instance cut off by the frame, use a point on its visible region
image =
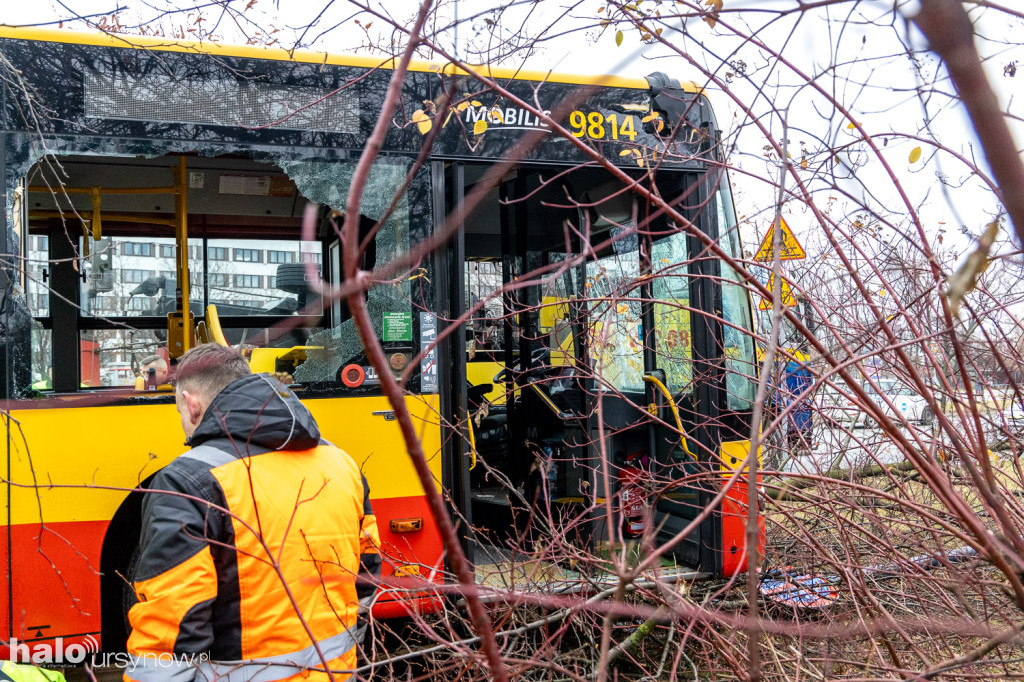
(422, 121)
(618, 38)
(711, 17)
(965, 278)
(915, 154)
(480, 127)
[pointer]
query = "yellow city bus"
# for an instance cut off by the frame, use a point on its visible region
(153, 198)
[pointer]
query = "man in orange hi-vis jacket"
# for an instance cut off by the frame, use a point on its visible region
(259, 554)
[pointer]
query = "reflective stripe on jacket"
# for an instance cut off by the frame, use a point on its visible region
(259, 547)
(18, 672)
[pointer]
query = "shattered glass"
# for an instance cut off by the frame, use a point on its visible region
(328, 184)
(320, 175)
(740, 366)
(616, 309)
(672, 323)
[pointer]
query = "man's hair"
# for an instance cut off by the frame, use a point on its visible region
(207, 369)
(154, 359)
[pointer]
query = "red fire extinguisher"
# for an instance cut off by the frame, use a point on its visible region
(633, 502)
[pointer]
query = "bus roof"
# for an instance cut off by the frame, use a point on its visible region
(307, 56)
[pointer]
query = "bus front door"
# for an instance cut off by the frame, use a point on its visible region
(603, 326)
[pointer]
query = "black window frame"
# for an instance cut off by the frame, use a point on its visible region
(75, 323)
(145, 274)
(239, 255)
(130, 249)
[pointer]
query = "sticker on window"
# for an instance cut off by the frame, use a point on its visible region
(397, 326)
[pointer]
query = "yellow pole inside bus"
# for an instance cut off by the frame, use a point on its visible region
(181, 237)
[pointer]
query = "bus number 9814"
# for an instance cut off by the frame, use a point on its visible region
(597, 126)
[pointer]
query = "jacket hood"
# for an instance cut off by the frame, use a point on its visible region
(258, 413)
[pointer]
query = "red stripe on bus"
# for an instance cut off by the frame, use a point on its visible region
(407, 557)
(55, 571)
(734, 530)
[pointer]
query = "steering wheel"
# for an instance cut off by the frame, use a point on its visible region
(539, 355)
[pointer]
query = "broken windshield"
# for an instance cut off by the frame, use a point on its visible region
(247, 255)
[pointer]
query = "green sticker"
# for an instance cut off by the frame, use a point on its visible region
(398, 326)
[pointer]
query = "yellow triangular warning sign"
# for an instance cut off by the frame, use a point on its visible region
(789, 249)
(788, 299)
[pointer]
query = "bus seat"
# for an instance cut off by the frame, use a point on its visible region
(201, 334)
(213, 329)
(479, 372)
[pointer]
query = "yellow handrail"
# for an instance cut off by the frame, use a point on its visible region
(546, 400)
(181, 252)
(109, 217)
(103, 190)
(472, 440)
(651, 379)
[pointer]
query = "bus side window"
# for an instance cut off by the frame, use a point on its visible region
(130, 275)
(38, 298)
(672, 330)
(330, 229)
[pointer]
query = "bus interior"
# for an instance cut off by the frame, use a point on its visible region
(590, 368)
(102, 267)
(592, 364)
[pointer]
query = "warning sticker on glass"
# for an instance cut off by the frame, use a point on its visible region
(428, 353)
(397, 326)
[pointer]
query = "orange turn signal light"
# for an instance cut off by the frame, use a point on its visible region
(406, 525)
(406, 570)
